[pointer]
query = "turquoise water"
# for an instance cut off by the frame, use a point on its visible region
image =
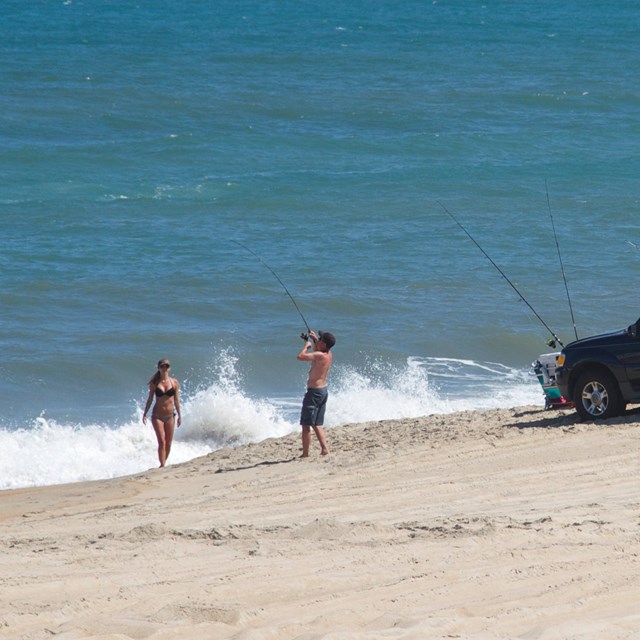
(138, 142)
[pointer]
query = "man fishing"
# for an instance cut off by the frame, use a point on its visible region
(315, 400)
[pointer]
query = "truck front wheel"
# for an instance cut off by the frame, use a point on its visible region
(597, 396)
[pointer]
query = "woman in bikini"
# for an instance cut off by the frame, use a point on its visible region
(167, 393)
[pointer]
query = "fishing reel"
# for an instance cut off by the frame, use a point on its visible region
(305, 336)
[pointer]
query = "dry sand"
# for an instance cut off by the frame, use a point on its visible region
(516, 523)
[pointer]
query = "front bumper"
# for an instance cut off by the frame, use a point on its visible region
(562, 382)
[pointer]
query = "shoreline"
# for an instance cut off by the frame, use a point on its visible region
(495, 523)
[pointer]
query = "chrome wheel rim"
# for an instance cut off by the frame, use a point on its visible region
(595, 398)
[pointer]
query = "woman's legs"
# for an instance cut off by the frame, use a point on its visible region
(164, 429)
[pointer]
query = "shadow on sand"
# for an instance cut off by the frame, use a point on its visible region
(264, 463)
(570, 418)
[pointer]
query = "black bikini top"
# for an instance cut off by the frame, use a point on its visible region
(169, 392)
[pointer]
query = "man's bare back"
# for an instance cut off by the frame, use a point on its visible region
(319, 371)
(320, 360)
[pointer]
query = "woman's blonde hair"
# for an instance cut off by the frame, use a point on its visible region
(155, 378)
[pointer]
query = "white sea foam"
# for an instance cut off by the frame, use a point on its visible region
(222, 413)
(427, 386)
(48, 452)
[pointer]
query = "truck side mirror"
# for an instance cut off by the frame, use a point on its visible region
(634, 329)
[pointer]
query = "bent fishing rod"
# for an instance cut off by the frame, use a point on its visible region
(295, 304)
(564, 277)
(503, 274)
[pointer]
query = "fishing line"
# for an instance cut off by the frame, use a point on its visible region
(564, 277)
(502, 273)
(278, 279)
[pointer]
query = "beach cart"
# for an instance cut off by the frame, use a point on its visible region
(545, 370)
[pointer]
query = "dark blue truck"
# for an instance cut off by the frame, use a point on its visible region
(601, 374)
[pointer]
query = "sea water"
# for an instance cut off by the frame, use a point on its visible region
(141, 142)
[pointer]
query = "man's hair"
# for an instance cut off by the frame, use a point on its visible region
(328, 338)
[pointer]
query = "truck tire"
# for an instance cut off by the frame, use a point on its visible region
(596, 396)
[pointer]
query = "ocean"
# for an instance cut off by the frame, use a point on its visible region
(141, 142)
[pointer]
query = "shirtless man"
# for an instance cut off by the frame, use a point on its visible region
(315, 400)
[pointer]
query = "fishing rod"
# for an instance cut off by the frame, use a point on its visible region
(295, 304)
(564, 277)
(551, 343)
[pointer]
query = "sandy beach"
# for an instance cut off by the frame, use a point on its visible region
(517, 523)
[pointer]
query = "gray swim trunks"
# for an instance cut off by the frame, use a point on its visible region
(313, 407)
